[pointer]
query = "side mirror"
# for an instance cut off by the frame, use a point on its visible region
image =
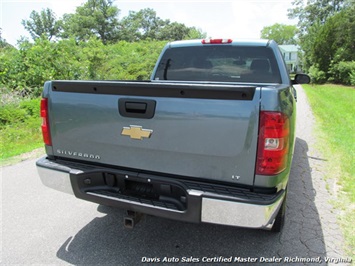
(301, 79)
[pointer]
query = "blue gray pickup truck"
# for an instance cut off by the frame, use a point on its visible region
(209, 138)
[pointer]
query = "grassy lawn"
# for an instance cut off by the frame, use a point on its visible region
(20, 138)
(334, 109)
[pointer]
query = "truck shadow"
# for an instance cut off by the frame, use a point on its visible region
(105, 241)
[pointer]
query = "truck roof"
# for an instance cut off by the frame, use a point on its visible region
(241, 42)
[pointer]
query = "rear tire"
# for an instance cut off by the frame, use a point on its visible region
(280, 217)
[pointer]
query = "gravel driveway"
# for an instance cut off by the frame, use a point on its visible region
(42, 226)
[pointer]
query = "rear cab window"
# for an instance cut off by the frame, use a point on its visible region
(219, 63)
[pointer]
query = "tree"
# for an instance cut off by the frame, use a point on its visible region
(173, 31)
(312, 17)
(42, 23)
(97, 18)
(335, 41)
(1, 39)
(327, 38)
(307, 44)
(315, 11)
(196, 33)
(177, 31)
(281, 33)
(3, 42)
(141, 25)
(145, 25)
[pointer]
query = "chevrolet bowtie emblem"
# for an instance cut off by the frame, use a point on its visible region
(136, 132)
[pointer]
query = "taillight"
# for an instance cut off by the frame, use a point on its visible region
(273, 143)
(45, 122)
(216, 41)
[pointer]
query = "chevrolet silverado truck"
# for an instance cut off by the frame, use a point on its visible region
(209, 138)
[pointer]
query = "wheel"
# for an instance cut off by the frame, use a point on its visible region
(280, 217)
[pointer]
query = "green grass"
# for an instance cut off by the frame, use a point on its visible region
(334, 109)
(19, 128)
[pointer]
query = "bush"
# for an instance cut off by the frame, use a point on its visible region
(11, 114)
(23, 112)
(352, 78)
(343, 72)
(20, 125)
(317, 76)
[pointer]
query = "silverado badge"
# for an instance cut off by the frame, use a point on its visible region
(136, 132)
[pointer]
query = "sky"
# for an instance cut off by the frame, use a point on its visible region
(223, 19)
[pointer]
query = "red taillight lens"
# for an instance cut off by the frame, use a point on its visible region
(45, 122)
(273, 143)
(216, 41)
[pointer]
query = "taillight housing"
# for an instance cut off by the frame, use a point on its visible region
(273, 143)
(45, 122)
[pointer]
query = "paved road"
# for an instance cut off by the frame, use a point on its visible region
(43, 226)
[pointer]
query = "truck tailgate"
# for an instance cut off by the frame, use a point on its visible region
(204, 131)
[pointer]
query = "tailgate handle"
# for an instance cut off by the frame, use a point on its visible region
(137, 108)
(134, 107)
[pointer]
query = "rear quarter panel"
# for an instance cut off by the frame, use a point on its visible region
(280, 99)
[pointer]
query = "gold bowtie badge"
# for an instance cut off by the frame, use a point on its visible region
(136, 132)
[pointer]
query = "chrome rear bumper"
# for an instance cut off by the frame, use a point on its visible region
(201, 206)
